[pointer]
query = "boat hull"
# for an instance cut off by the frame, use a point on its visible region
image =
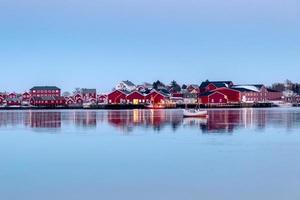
(196, 113)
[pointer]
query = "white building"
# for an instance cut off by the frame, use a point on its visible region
(126, 85)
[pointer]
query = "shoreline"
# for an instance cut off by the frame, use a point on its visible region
(132, 107)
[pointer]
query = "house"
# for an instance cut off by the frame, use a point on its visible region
(126, 85)
(26, 96)
(190, 98)
(135, 98)
(212, 85)
(144, 87)
(1, 100)
(12, 95)
(252, 92)
(155, 97)
(89, 94)
(48, 101)
(13, 102)
(117, 97)
(213, 97)
(233, 96)
(45, 91)
(102, 98)
(274, 95)
(193, 88)
(69, 101)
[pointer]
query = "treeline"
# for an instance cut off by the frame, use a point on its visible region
(287, 86)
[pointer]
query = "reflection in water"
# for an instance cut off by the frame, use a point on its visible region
(219, 121)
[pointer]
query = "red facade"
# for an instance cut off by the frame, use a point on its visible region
(26, 96)
(12, 95)
(135, 98)
(117, 97)
(102, 98)
(213, 98)
(155, 97)
(13, 102)
(48, 101)
(45, 91)
(233, 96)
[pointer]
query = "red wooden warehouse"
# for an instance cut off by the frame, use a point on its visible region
(117, 97)
(213, 98)
(135, 97)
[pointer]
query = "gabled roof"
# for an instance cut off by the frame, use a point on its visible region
(122, 91)
(253, 87)
(243, 90)
(129, 83)
(216, 83)
(45, 88)
(194, 86)
(135, 91)
(206, 94)
(87, 91)
(271, 90)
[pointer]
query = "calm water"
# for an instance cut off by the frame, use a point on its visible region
(241, 154)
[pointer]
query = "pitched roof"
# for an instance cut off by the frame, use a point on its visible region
(129, 83)
(86, 91)
(216, 83)
(253, 87)
(45, 88)
(271, 90)
(207, 94)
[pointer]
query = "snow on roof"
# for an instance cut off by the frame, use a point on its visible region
(248, 87)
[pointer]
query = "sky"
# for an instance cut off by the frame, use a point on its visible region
(95, 44)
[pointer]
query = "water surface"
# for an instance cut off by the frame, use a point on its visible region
(145, 154)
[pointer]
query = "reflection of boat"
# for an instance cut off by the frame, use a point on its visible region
(194, 113)
(155, 106)
(195, 121)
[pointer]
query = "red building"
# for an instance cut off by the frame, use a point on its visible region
(89, 94)
(155, 97)
(135, 97)
(13, 102)
(257, 93)
(212, 85)
(48, 101)
(117, 97)
(45, 91)
(12, 95)
(102, 98)
(1, 100)
(26, 96)
(213, 97)
(233, 96)
(193, 88)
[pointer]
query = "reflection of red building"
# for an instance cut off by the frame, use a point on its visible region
(86, 119)
(222, 121)
(45, 119)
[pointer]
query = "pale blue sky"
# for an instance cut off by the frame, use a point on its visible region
(78, 43)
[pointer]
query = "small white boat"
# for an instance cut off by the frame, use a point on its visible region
(194, 113)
